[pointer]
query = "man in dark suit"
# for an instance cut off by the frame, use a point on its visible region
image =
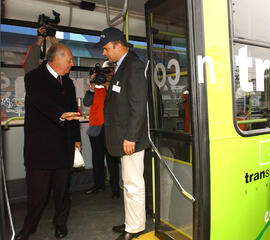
(125, 124)
(51, 134)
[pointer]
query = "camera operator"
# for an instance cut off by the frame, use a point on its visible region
(32, 59)
(95, 97)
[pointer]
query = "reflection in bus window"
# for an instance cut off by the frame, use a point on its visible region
(251, 58)
(251, 82)
(171, 78)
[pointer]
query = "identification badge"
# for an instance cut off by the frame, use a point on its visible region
(116, 88)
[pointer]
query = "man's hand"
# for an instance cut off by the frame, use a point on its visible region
(92, 86)
(71, 116)
(129, 147)
(78, 145)
(41, 30)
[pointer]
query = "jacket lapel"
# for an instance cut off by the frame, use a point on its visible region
(116, 76)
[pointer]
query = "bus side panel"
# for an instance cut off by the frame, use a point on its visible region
(240, 198)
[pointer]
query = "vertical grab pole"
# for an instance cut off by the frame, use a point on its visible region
(126, 21)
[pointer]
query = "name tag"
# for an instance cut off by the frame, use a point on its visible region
(116, 88)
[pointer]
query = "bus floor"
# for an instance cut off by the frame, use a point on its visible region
(91, 218)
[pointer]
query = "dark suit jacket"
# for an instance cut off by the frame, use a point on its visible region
(125, 112)
(48, 144)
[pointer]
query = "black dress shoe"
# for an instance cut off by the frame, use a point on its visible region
(94, 190)
(119, 229)
(127, 236)
(61, 231)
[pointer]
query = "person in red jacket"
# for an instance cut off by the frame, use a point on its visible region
(95, 97)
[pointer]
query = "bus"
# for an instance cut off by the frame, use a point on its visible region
(207, 66)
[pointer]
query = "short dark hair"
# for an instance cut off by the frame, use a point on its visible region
(122, 42)
(56, 49)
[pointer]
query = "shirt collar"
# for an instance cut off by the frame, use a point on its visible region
(99, 86)
(55, 74)
(118, 63)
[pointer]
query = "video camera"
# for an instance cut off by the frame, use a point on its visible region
(46, 22)
(100, 72)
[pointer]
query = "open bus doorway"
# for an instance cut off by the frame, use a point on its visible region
(168, 52)
(179, 119)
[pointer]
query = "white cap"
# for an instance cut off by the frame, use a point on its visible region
(107, 64)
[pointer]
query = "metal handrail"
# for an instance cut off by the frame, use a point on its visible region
(7, 200)
(252, 121)
(161, 159)
(112, 22)
(4, 181)
(10, 120)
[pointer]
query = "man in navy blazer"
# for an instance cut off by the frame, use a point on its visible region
(51, 133)
(125, 124)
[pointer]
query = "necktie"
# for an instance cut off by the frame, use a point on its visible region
(115, 69)
(59, 80)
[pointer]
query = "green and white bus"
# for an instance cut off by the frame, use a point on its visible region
(208, 70)
(218, 52)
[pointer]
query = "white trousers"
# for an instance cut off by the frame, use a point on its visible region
(134, 191)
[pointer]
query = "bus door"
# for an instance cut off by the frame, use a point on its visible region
(170, 117)
(178, 119)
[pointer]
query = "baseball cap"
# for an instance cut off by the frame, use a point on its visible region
(111, 34)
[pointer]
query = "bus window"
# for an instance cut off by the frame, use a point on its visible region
(15, 42)
(251, 65)
(171, 81)
(250, 20)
